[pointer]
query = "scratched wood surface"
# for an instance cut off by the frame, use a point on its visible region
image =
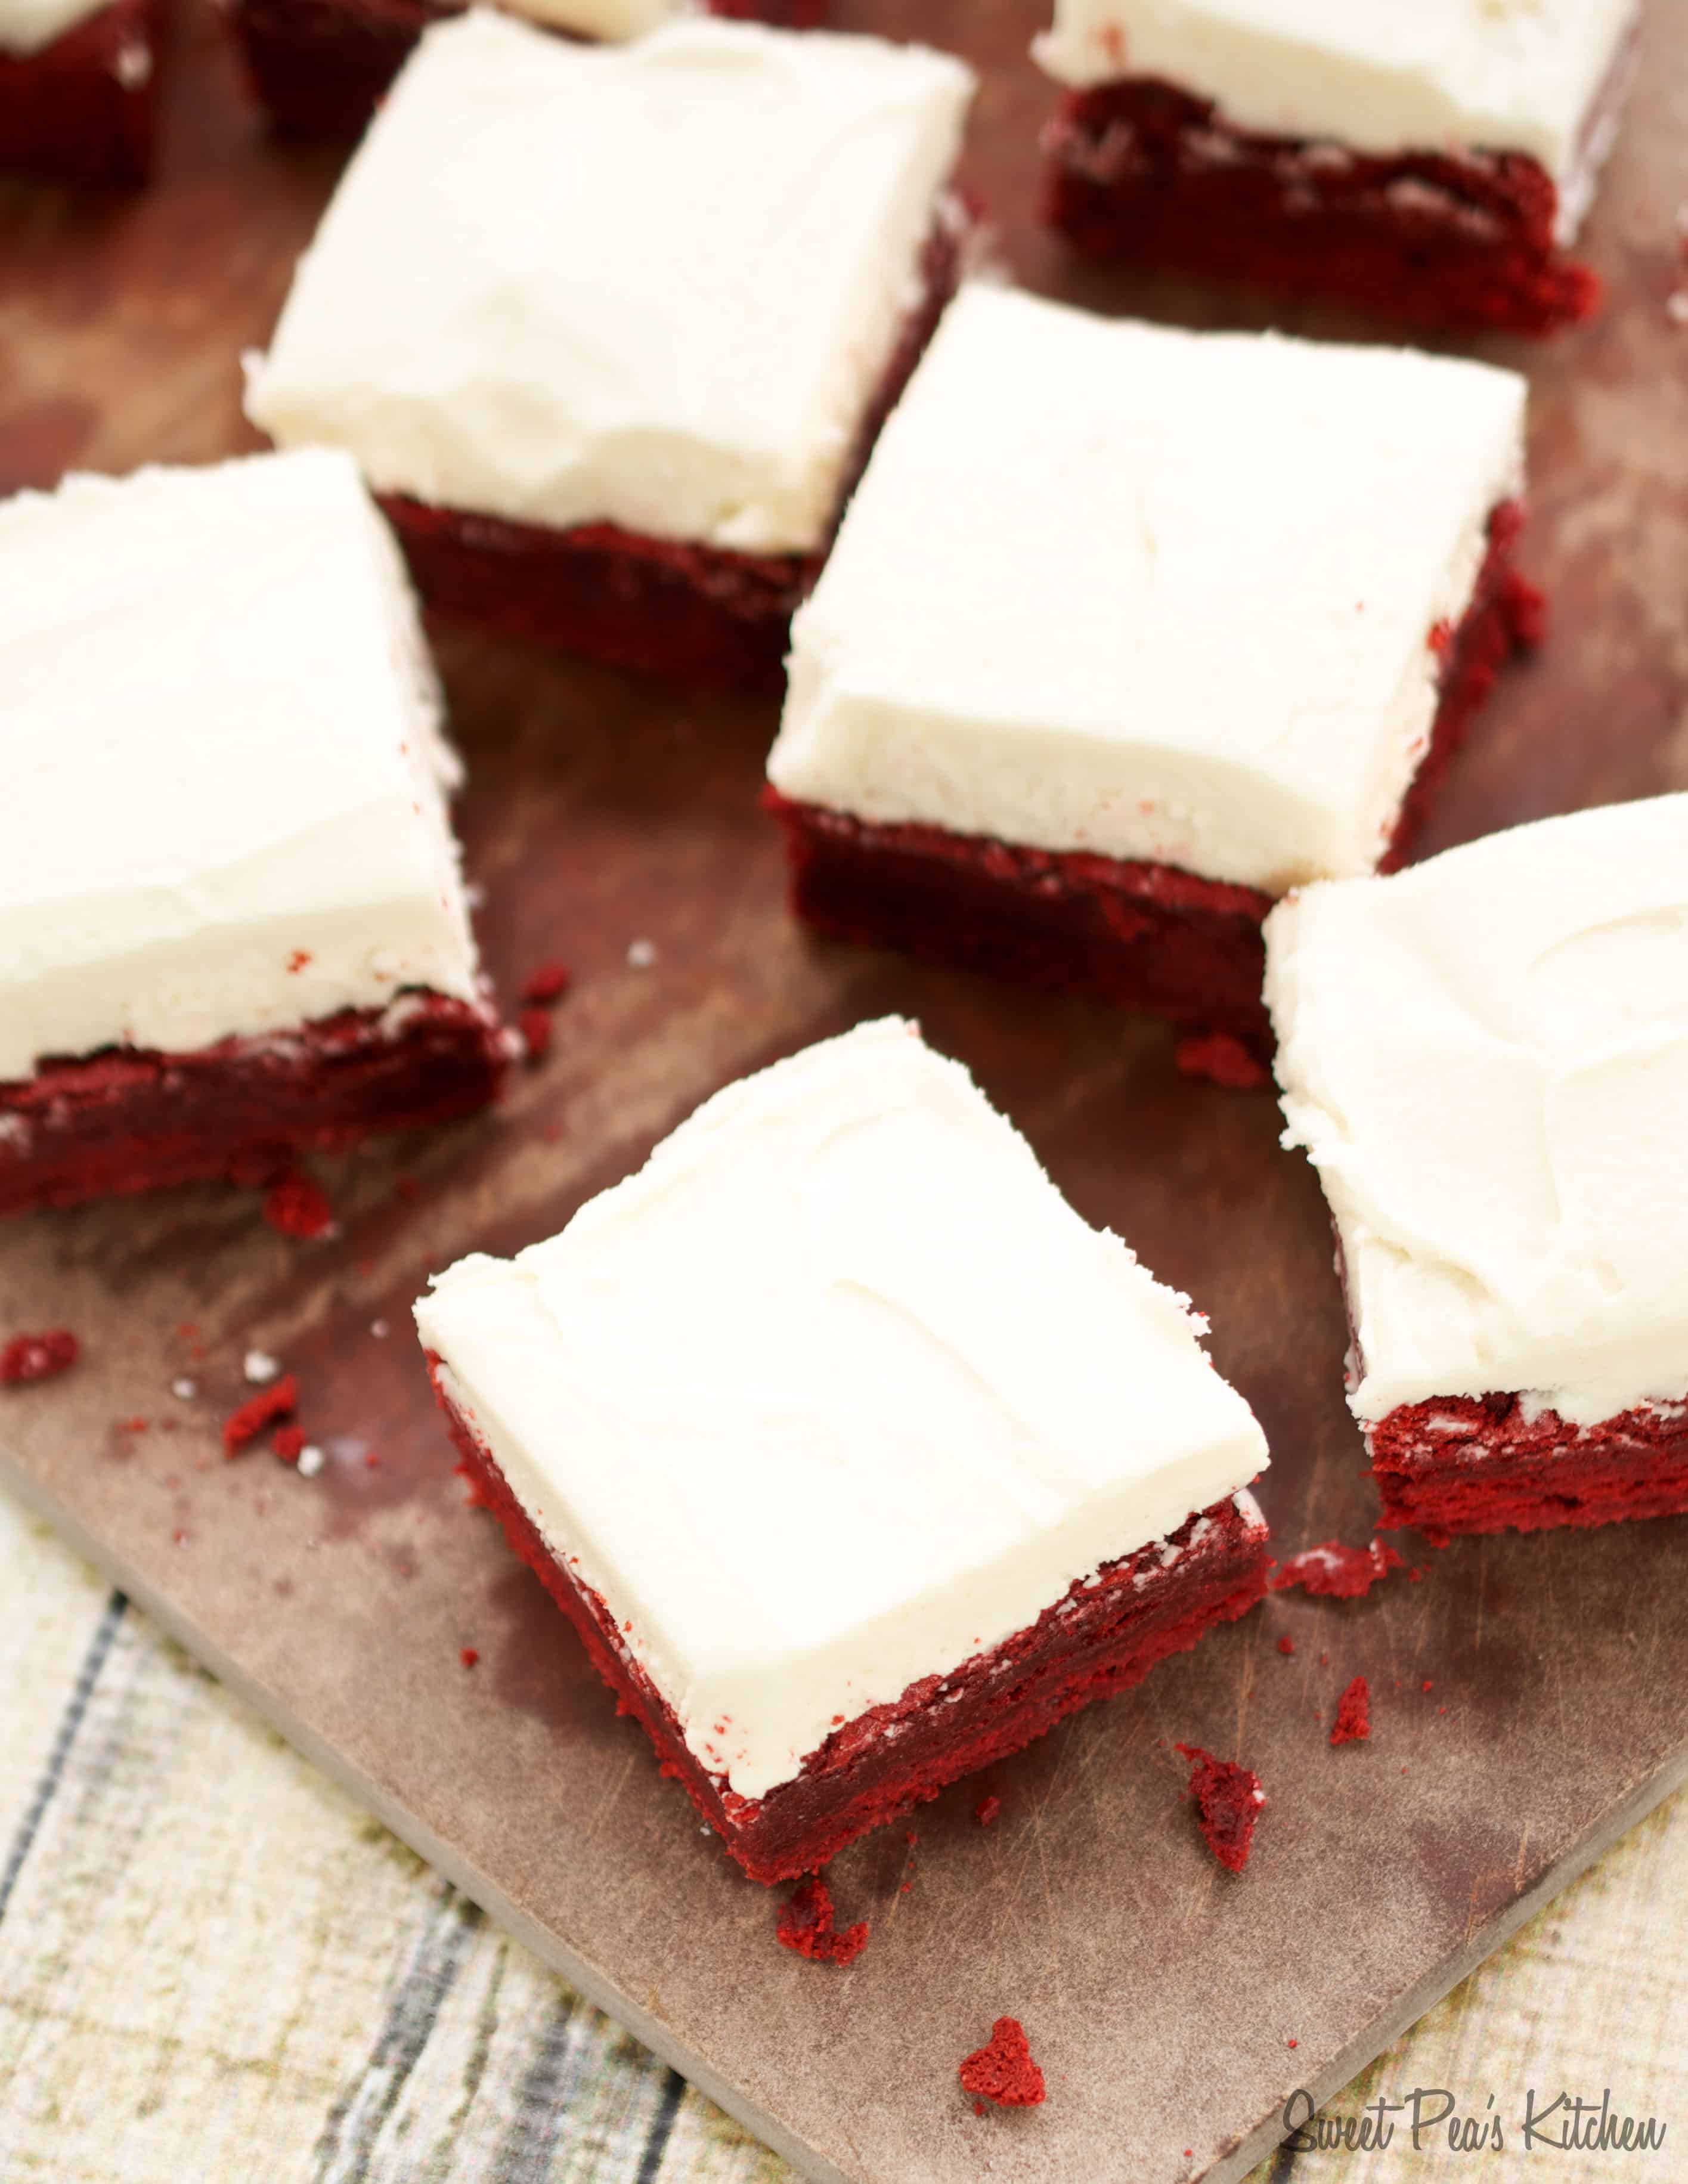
(1160, 1993)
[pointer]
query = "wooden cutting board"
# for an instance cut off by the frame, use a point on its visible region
(1173, 2007)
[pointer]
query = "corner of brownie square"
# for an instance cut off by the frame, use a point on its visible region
(78, 94)
(611, 327)
(855, 1456)
(1429, 164)
(1127, 631)
(232, 925)
(1486, 1059)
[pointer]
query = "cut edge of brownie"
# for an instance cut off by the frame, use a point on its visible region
(1103, 1635)
(1135, 934)
(128, 1119)
(1501, 1462)
(1141, 170)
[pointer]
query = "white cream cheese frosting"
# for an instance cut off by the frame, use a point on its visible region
(1157, 595)
(1486, 1059)
(598, 19)
(655, 285)
(1375, 76)
(834, 1394)
(222, 771)
(28, 26)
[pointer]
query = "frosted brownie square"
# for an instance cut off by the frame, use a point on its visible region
(232, 922)
(1430, 162)
(321, 67)
(1127, 631)
(77, 90)
(611, 327)
(842, 1303)
(1486, 1059)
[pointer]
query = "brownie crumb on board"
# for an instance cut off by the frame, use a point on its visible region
(241, 1427)
(535, 1027)
(546, 984)
(1335, 1572)
(806, 1926)
(1003, 2070)
(298, 1206)
(30, 1357)
(1222, 1059)
(1353, 1720)
(1228, 1799)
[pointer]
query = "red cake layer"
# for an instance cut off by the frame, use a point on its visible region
(130, 1119)
(1492, 1463)
(320, 67)
(1140, 171)
(81, 110)
(1106, 1634)
(688, 613)
(1142, 936)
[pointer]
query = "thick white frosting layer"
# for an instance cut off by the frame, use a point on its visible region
(220, 746)
(1153, 594)
(28, 25)
(834, 1393)
(1377, 75)
(718, 243)
(1486, 1058)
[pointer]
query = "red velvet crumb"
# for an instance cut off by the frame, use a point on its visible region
(1339, 1572)
(1228, 1799)
(1353, 1714)
(805, 1924)
(469, 1657)
(1222, 1059)
(279, 1400)
(1440, 638)
(298, 959)
(1286, 1644)
(38, 1357)
(1003, 2070)
(298, 1206)
(986, 1810)
(287, 1442)
(535, 1027)
(550, 983)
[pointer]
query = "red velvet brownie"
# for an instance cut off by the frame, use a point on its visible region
(1086, 684)
(321, 67)
(76, 89)
(1486, 1059)
(848, 1276)
(1431, 162)
(495, 334)
(232, 926)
